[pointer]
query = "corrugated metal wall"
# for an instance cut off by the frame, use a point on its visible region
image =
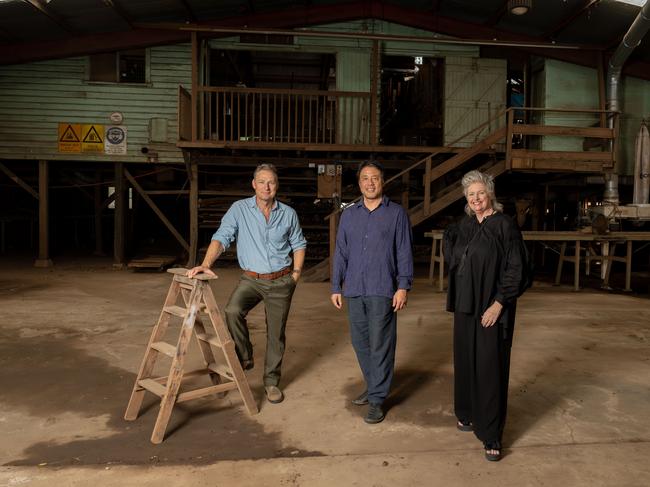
(353, 74)
(475, 91)
(35, 97)
(570, 86)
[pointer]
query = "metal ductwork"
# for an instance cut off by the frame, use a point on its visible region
(632, 39)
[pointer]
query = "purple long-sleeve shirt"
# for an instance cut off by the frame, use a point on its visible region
(374, 255)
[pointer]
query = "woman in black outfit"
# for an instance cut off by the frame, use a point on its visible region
(487, 271)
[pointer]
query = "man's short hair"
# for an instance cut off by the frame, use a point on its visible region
(265, 167)
(371, 163)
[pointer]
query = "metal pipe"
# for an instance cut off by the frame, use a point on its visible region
(362, 35)
(631, 40)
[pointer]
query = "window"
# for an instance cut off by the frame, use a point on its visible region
(118, 67)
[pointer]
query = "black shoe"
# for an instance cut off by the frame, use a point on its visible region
(375, 414)
(464, 425)
(362, 400)
(492, 451)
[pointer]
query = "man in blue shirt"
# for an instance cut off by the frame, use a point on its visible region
(373, 270)
(267, 231)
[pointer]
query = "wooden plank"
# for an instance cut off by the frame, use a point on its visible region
(206, 391)
(195, 84)
(164, 348)
(562, 155)
(18, 181)
(153, 387)
(119, 233)
(175, 310)
(557, 165)
(156, 210)
(43, 216)
(221, 369)
(194, 213)
(596, 132)
(212, 339)
(180, 273)
(460, 158)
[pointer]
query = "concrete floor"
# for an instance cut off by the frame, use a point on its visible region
(72, 338)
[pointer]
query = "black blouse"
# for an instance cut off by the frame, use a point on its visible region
(486, 263)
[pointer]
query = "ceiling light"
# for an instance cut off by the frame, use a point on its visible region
(519, 7)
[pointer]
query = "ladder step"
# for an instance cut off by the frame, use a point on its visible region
(164, 347)
(212, 339)
(221, 369)
(175, 310)
(206, 391)
(152, 386)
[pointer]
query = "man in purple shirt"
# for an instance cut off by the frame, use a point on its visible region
(373, 270)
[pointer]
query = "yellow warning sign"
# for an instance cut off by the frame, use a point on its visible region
(92, 138)
(69, 137)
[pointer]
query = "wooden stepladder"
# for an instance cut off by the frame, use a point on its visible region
(197, 297)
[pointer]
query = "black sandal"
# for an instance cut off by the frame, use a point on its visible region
(492, 446)
(464, 425)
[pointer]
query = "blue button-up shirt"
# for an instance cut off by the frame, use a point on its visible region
(374, 255)
(262, 246)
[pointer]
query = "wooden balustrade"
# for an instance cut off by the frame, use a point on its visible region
(278, 117)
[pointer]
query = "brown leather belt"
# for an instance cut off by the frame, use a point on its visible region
(270, 276)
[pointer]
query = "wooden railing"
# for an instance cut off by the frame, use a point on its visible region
(278, 118)
(517, 156)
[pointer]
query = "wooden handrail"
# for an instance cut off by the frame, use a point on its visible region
(280, 91)
(430, 156)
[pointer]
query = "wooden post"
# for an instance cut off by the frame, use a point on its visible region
(195, 84)
(427, 187)
(511, 117)
(119, 260)
(602, 96)
(334, 224)
(43, 215)
(194, 212)
(405, 190)
(374, 76)
(99, 234)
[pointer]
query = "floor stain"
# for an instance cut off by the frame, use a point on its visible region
(199, 432)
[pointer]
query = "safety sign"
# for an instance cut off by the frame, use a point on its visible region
(69, 137)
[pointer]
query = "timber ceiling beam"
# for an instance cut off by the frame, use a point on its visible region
(563, 24)
(297, 17)
(41, 6)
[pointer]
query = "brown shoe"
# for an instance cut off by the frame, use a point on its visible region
(274, 394)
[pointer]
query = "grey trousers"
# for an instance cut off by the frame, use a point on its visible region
(373, 330)
(276, 294)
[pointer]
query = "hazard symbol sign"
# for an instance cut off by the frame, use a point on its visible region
(92, 138)
(69, 137)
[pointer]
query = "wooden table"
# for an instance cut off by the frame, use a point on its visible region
(581, 241)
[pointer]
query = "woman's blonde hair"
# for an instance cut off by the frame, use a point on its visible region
(488, 181)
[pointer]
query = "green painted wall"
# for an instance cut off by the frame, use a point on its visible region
(35, 97)
(567, 85)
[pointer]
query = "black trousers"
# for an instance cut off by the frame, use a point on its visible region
(481, 373)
